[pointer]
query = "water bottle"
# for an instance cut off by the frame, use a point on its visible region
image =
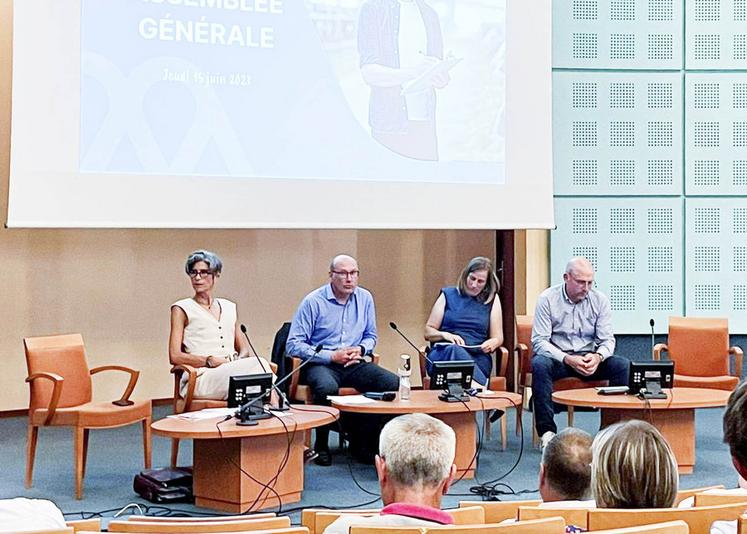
(404, 373)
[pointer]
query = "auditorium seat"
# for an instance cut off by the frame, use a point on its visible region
(194, 519)
(248, 524)
(690, 493)
(318, 519)
(716, 497)
(553, 525)
(670, 527)
(572, 516)
(699, 348)
(61, 395)
(698, 519)
(497, 511)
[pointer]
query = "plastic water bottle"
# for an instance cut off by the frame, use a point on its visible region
(404, 373)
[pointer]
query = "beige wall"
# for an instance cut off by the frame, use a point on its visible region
(115, 286)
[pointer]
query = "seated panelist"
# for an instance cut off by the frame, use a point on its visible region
(339, 316)
(466, 321)
(205, 334)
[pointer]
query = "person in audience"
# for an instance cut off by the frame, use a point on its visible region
(205, 333)
(21, 514)
(340, 317)
(415, 466)
(466, 322)
(571, 337)
(565, 471)
(633, 466)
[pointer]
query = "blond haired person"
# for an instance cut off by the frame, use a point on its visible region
(633, 466)
(415, 466)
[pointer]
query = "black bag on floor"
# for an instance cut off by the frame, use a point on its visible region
(164, 485)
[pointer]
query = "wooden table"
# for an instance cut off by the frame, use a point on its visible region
(232, 466)
(459, 416)
(673, 416)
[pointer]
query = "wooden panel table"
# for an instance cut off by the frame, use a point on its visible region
(673, 416)
(459, 416)
(233, 465)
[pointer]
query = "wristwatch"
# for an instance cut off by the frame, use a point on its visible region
(209, 362)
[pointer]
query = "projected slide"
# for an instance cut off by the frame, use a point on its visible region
(352, 90)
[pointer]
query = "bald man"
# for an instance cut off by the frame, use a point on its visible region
(571, 336)
(341, 317)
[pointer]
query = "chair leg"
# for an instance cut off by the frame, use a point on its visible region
(174, 452)
(33, 435)
(78, 451)
(535, 437)
(486, 425)
(146, 443)
(85, 451)
(570, 415)
(519, 420)
(504, 432)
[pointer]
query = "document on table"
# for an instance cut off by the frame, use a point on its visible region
(350, 400)
(207, 413)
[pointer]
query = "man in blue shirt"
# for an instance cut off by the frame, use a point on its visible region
(571, 337)
(341, 317)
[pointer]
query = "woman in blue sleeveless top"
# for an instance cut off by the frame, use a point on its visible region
(466, 322)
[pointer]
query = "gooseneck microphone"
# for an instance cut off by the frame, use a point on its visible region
(261, 363)
(244, 410)
(653, 342)
(393, 326)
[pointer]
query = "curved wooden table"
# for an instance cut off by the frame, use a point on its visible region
(232, 465)
(459, 416)
(673, 416)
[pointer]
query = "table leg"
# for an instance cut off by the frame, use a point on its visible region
(229, 474)
(677, 427)
(466, 441)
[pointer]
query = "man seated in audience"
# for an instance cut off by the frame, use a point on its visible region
(415, 466)
(22, 514)
(735, 436)
(339, 316)
(571, 337)
(565, 471)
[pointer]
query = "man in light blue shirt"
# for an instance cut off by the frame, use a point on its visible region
(571, 337)
(339, 316)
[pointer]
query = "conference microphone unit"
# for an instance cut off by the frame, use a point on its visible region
(393, 326)
(246, 408)
(653, 342)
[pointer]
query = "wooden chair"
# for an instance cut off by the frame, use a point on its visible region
(572, 516)
(714, 498)
(497, 511)
(468, 515)
(686, 494)
(90, 525)
(64, 530)
(192, 519)
(497, 383)
(742, 524)
(247, 525)
(190, 403)
(698, 519)
(670, 527)
(61, 395)
(699, 346)
(554, 525)
(318, 519)
(524, 355)
(207, 528)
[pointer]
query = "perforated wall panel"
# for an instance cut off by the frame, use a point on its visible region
(716, 259)
(617, 133)
(716, 133)
(640, 34)
(716, 34)
(635, 245)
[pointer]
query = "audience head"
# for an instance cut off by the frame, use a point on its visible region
(343, 275)
(578, 278)
(565, 471)
(633, 466)
(416, 459)
(478, 279)
(211, 260)
(735, 428)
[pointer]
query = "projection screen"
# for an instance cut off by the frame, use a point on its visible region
(281, 114)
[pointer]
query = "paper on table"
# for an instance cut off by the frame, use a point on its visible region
(350, 400)
(207, 413)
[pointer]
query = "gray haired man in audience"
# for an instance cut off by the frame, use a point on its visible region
(415, 466)
(565, 471)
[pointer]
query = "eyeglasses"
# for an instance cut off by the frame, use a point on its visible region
(346, 274)
(202, 273)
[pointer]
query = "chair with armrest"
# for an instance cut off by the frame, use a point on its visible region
(698, 519)
(524, 355)
(497, 383)
(699, 348)
(61, 395)
(190, 403)
(497, 511)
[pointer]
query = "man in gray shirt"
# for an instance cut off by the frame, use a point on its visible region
(571, 337)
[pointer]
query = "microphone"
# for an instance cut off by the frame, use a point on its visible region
(244, 408)
(393, 326)
(651, 324)
(261, 363)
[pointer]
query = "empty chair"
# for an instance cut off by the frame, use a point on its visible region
(497, 511)
(698, 519)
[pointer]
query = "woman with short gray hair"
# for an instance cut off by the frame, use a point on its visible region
(205, 333)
